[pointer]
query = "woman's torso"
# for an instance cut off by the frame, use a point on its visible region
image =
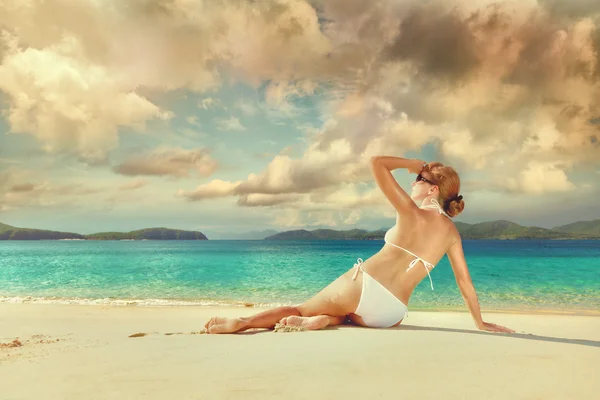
(427, 234)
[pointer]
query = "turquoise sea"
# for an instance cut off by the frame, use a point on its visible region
(508, 275)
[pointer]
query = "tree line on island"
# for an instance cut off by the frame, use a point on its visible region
(8, 232)
(504, 230)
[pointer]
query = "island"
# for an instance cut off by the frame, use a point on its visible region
(8, 232)
(500, 230)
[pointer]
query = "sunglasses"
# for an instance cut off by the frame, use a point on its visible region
(420, 178)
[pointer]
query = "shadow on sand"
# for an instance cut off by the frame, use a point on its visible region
(526, 336)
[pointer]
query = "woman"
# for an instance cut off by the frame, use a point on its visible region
(374, 293)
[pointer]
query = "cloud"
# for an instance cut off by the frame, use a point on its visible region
(264, 200)
(246, 107)
(74, 189)
(21, 189)
(132, 185)
(230, 124)
(214, 189)
(209, 103)
(69, 104)
(74, 80)
(166, 161)
(540, 178)
(293, 218)
(10, 161)
(504, 89)
(193, 120)
(572, 9)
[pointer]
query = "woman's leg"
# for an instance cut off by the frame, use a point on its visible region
(266, 319)
(313, 323)
(332, 304)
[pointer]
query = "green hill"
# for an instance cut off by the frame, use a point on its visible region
(585, 227)
(149, 234)
(509, 230)
(485, 230)
(8, 232)
(326, 234)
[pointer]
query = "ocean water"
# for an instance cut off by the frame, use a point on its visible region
(508, 275)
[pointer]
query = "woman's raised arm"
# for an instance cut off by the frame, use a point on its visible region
(381, 167)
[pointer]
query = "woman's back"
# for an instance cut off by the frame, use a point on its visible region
(413, 246)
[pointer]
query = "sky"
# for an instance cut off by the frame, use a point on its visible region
(227, 116)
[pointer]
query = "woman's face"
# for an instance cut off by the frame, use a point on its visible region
(421, 186)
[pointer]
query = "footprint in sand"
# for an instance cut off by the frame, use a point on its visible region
(142, 334)
(14, 343)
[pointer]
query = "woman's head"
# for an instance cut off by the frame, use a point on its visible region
(442, 181)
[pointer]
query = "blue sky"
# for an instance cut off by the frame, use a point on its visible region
(227, 116)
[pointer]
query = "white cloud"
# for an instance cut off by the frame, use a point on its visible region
(167, 161)
(213, 189)
(209, 103)
(230, 124)
(132, 185)
(62, 101)
(72, 80)
(20, 189)
(539, 178)
(246, 107)
(264, 200)
(193, 120)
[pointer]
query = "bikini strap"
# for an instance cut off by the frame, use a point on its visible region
(357, 264)
(436, 204)
(415, 261)
(425, 264)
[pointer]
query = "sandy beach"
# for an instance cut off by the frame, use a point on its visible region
(86, 352)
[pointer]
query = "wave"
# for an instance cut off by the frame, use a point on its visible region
(136, 302)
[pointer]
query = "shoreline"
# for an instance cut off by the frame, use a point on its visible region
(237, 305)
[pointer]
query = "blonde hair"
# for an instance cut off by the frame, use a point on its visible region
(448, 182)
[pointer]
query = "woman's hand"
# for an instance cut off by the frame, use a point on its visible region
(487, 326)
(416, 166)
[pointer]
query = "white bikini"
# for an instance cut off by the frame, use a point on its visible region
(378, 307)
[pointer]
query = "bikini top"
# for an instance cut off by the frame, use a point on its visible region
(428, 266)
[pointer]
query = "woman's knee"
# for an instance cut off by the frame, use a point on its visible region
(310, 310)
(295, 310)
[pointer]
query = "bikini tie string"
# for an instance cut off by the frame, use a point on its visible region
(414, 262)
(435, 204)
(357, 264)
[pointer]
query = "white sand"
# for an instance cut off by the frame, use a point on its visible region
(431, 356)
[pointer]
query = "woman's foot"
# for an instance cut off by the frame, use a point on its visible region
(309, 323)
(224, 325)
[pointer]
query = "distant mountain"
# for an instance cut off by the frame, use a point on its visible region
(510, 230)
(149, 234)
(586, 227)
(252, 235)
(302, 234)
(8, 232)
(485, 230)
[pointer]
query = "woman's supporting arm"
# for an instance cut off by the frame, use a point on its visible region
(465, 284)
